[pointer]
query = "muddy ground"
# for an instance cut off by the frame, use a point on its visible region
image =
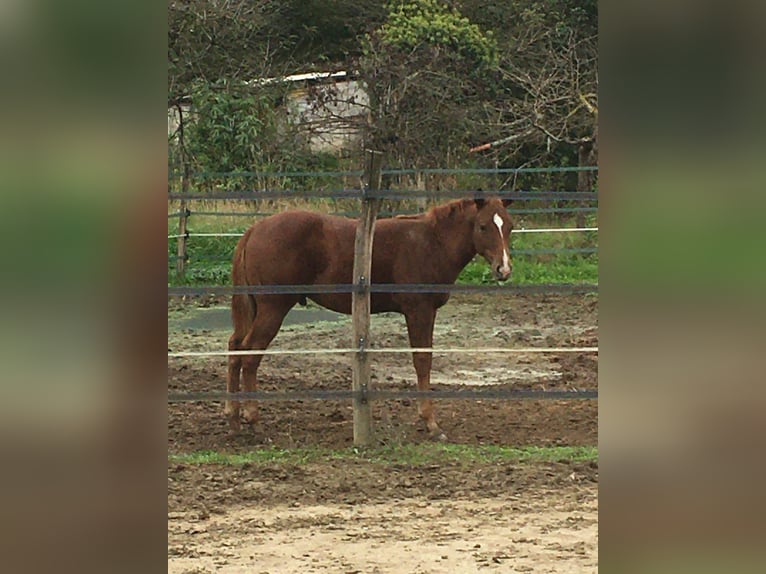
(372, 517)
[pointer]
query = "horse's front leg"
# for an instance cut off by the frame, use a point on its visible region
(420, 327)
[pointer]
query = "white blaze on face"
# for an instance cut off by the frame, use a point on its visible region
(506, 261)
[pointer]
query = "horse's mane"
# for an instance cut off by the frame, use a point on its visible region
(441, 211)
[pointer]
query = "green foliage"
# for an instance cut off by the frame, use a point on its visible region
(430, 73)
(232, 127)
(512, 21)
(235, 129)
(442, 75)
(209, 259)
(320, 32)
(414, 23)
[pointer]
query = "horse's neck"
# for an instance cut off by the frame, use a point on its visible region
(456, 237)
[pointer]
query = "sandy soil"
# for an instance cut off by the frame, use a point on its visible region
(369, 517)
(365, 517)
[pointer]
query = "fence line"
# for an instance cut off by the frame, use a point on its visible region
(384, 394)
(531, 289)
(383, 194)
(409, 171)
(382, 213)
(364, 394)
(534, 230)
(489, 170)
(554, 230)
(383, 350)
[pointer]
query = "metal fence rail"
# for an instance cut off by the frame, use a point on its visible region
(383, 350)
(511, 210)
(408, 171)
(383, 194)
(385, 394)
(562, 288)
(534, 230)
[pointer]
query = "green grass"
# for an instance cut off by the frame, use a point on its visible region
(399, 454)
(531, 270)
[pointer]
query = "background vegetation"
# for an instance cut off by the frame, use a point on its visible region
(442, 77)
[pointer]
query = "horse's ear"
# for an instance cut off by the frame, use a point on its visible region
(507, 202)
(479, 201)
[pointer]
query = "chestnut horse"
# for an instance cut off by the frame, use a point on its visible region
(306, 248)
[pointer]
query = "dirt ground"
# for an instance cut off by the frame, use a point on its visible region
(396, 518)
(370, 517)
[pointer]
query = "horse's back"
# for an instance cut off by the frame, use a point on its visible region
(293, 247)
(309, 248)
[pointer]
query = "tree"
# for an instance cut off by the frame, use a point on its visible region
(549, 68)
(210, 41)
(213, 40)
(428, 70)
(219, 53)
(442, 76)
(320, 33)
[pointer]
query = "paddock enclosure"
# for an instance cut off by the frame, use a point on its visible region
(452, 516)
(433, 509)
(467, 320)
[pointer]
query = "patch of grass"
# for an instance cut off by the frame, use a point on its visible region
(261, 456)
(528, 270)
(427, 453)
(398, 454)
(537, 268)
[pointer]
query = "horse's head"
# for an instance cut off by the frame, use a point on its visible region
(491, 235)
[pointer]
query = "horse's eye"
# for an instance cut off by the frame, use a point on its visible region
(482, 227)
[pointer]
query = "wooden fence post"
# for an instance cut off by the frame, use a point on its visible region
(360, 302)
(181, 252)
(182, 209)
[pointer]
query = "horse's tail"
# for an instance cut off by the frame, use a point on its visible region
(243, 306)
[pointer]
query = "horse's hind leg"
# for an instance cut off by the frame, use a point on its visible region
(271, 312)
(242, 314)
(231, 408)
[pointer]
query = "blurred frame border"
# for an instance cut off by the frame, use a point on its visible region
(83, 168)
(681, 425)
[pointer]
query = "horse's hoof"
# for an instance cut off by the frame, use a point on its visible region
(439, 436)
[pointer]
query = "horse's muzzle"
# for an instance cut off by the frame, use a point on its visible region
(501, 273)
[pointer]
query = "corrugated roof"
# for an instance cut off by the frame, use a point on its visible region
(301, 77)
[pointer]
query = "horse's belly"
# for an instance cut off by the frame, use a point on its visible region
(341, 302)
(338, 302)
